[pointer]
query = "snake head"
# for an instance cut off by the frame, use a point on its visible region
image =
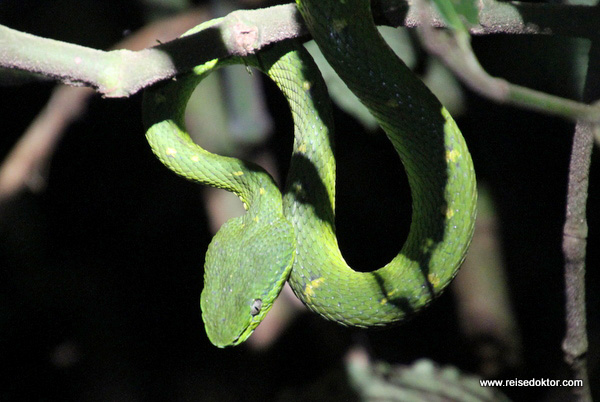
(247, 264)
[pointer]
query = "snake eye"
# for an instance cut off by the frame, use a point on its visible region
(255, 308)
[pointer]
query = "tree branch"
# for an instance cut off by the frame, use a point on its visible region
(121, 73)
(575, 343)
(497, 17)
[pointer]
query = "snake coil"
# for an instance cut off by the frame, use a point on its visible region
(292, 237)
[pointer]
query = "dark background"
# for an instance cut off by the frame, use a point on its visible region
(105, 265)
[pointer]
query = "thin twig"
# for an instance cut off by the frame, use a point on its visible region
(24, 166)
(575, 343)
(456, 53)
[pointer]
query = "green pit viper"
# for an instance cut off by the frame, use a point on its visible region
(292, 237)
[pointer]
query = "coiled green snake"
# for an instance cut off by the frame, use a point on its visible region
(292, 237)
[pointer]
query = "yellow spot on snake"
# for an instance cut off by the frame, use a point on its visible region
(309, 290)
(449, 212)
(261, 191)
(209, 65)
(433, 279)
(306, 85)
(171, 151)
(238, 173)
(255, 219)
(243, 203)
(452, 156)
(391, 292)
(302, 148)
(195, 158)
(427, 245)
(383, 301)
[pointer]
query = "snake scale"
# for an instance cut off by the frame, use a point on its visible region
(291, 237)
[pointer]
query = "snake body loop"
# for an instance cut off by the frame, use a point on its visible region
(437, 163)
(293, 238)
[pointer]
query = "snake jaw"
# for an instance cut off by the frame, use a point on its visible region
(221, 335)
(256, 315)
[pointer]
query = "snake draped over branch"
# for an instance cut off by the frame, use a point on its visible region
(291, 237)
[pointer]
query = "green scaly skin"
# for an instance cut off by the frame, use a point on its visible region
(437, 163)
(250, 257)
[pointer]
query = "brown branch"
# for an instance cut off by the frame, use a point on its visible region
(24, 166)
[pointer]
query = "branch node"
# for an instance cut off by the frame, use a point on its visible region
(245, 38)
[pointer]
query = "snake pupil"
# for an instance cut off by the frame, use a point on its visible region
(256, 306)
